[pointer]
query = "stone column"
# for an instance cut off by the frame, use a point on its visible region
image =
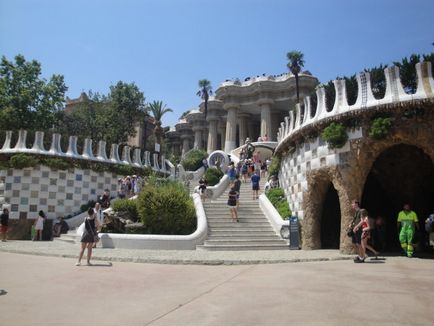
(251, 130)
(231, 128)
(197, 138)
(242, 123)
(185, 144)
(265, 105)
(212, 136)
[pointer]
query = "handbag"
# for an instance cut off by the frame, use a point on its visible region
(350, 232)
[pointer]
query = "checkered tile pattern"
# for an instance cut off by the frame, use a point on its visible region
(57, 193)
(308, 157)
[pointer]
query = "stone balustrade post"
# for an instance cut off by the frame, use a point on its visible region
(137, 157)
(114, 154)
(38, 144)
(20, 146)
(102, 153)
(156, 166)
(55, 145)
(87, 150)
(7, 144)
(72, 147)
(126, 156)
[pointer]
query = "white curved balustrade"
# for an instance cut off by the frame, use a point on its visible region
(365, 99)
(55, 150)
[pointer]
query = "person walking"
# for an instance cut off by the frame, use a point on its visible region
(365, 225)
(407, 225)
(356, 234)
(4, 224)
(232, 204)
(91, 227)
(237, 186)
(255, 184)
(39, 226)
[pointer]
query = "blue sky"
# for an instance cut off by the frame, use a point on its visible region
(166, 46)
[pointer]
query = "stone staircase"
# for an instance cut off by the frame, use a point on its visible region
(252, 232)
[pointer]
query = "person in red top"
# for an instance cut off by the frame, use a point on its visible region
(364, 225)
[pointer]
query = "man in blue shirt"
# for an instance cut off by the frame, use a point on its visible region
(255, 184)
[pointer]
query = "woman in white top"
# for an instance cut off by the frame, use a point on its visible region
(39, 226)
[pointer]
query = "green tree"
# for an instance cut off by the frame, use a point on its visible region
(158, 110)
(28, 101)
(205, 90)
(296, 62)
(125, 107)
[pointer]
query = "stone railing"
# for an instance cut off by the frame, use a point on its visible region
(138, 159)
(160, 241)
(302, 117)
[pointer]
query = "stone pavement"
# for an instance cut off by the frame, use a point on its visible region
(64, 249)
(38, 290)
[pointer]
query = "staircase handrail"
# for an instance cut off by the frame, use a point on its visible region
(272, 215)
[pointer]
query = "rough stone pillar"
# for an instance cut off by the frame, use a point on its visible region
(197, 138)
(212, 136)
(242, 123)
(231, 128)
(265, 105)
(185, 144)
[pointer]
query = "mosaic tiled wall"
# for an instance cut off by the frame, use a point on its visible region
(57, 193)
(311, 156)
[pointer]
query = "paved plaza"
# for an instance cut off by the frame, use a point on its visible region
(47, 290)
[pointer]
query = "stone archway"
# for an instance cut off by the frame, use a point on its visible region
(322, 223)
(401, 173)
(330, 220)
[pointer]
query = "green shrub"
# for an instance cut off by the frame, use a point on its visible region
(166, 208)
(56, 163)
(275, 195)
(213, 176)
(21, 161)
(277, 198)
(274, 167)
(193, 160)
(335, 135)
(128, 206)
(380, 128)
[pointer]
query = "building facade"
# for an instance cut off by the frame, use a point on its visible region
(251, 109)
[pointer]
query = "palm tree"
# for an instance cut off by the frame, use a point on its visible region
(295, 64)
(204, 92)
(158, 109)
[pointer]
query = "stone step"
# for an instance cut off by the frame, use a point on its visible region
(242, 247)
(247, 237)
(240, 233)
(243, 242)
(242, 227)
(241, 217)
(238, 225)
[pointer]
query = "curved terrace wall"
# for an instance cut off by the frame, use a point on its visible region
(59, 192)
(309, 166)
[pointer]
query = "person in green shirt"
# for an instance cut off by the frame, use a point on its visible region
(407, 224)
